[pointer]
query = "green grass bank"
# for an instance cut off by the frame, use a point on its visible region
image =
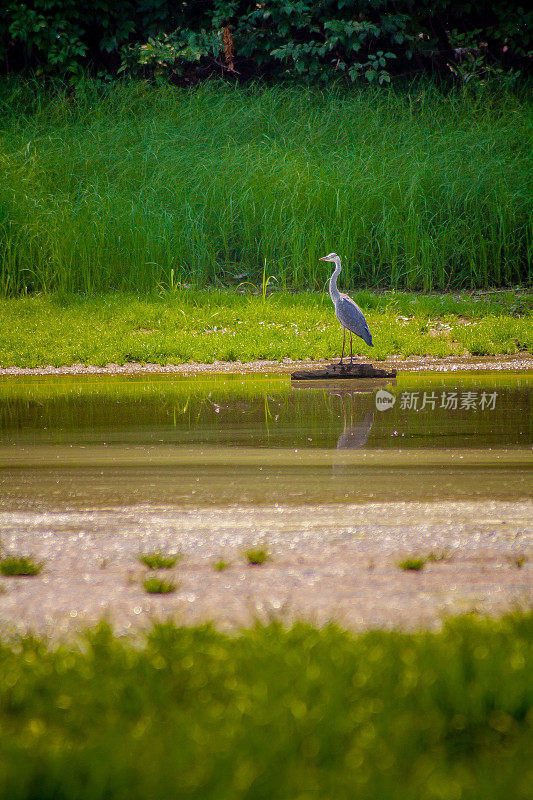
(205, 326)
(130, 186)
(271, 713)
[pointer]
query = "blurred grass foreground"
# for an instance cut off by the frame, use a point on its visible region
(272, 712)
(131, 186)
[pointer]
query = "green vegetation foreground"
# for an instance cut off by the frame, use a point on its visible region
(129, 186)
(204, 326)
(271, 713)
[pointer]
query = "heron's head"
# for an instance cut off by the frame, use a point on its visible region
(331, 257)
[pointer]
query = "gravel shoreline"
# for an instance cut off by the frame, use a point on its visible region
(521, 362)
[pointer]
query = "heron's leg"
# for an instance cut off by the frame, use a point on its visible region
(351, 351)
(343, 343)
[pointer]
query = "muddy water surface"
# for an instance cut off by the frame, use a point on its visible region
(108, 441)
(337, 485)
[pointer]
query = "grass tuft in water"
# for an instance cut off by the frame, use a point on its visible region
(412, 563)
(158, 586)
(221, 565)
(24, 566)
(159, 561)
(256, 556)
(517, 561)
(438, 555)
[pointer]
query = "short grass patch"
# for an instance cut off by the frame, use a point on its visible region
(159, 586)
(204, 326)
(273, 712)
(414, 564)
(256, 556)
(221, 565)
(23, 566)
(159, 560)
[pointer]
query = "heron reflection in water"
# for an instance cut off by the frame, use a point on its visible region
(355, 434)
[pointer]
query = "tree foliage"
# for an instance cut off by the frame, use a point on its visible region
(317, 40)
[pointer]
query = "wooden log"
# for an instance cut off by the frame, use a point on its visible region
(344, 371)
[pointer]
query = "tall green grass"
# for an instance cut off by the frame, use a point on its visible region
(133, 186)
(271, 714)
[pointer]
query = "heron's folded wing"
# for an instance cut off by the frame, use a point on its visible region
(350, 315)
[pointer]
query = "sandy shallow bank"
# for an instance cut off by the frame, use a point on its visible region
(520, 363)
(329, 562)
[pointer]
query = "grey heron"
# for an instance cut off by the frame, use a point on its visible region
(347, 311)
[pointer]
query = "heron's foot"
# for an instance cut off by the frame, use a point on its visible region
(346, 366)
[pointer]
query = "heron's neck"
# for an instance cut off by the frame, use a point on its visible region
(333, 291)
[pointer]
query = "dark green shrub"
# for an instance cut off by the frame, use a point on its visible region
(369, 39)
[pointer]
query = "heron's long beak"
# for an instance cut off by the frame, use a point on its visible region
(323, 259)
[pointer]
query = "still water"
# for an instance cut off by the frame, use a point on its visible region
(107, 441)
